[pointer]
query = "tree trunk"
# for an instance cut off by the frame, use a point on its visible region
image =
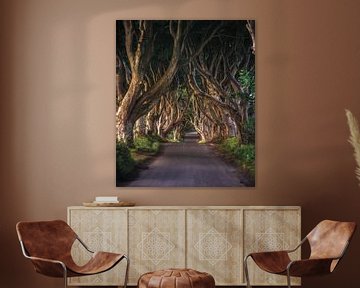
(138, 100)
(125, 132)
(140, 127)
(150, 124)
(176, 135)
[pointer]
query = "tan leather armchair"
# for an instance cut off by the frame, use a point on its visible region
(328, 242)
(48, 245)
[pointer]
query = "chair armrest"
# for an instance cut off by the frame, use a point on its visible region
(298, 246)
(49, 267)
(45, 260)
(83, 244)
(309, 267)
(269, 252)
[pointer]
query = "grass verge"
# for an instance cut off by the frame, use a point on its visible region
(242, 155)
(129, 161)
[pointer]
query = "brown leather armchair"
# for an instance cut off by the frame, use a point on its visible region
(328, 242)
(48, 245)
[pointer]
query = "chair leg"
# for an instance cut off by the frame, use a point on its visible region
(288, 278)
(65, 275)
(246, 270)
(126, 271)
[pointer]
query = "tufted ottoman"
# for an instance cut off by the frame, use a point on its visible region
(176, 278)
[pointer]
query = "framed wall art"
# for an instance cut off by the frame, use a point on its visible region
(185, 103)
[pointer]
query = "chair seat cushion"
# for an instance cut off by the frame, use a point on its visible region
(176, 278)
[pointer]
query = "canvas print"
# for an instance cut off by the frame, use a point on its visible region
(185, 103)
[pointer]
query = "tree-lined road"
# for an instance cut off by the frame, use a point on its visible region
(188, 164)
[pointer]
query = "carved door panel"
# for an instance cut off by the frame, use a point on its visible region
(101, 230)
(270, 230)
(156, 240)
(214, 244)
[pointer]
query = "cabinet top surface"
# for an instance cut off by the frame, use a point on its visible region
(192, 207)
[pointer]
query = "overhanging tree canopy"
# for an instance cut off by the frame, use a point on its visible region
(180, 72)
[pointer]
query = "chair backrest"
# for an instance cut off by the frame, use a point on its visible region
(46, 239)
(329, 239)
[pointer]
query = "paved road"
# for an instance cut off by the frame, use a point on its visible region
(187, 164)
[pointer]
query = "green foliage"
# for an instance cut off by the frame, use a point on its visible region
(146, 144)
(156, 146)
(243, 154)
(155, 138)
(246, 155)
(128, 160)
(172, 139)
(247, 81)
(230, 144)
(248, 131)
(125, 164)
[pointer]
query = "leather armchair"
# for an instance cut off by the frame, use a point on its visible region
(328, 242)
(48, 245)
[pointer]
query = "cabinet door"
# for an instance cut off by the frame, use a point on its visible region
(101, 230)
(214, 244)
(270, 230)
(156, 240)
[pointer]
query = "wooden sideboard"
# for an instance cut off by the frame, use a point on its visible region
(213, 239)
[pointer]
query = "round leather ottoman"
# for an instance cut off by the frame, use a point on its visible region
(176, 278)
